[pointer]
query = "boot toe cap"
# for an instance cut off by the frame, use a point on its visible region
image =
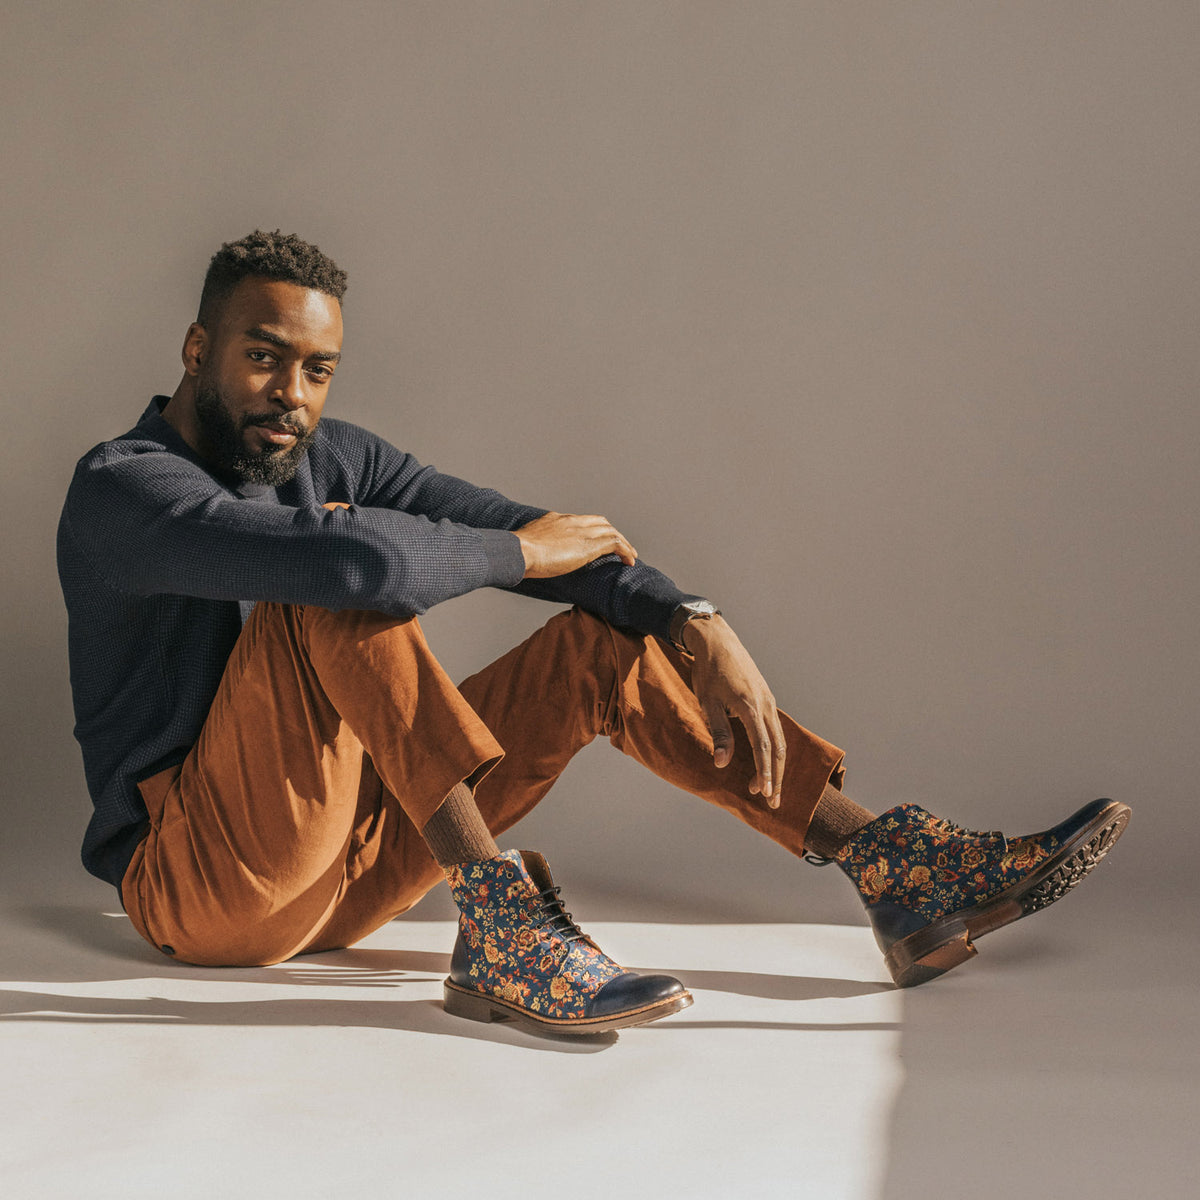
(1082, 821)
(630, 992)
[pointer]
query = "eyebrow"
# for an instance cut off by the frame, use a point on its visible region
(258, 334)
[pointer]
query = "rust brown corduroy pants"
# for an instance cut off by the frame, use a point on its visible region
(292, 825)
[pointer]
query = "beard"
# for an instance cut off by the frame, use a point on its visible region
(225, 446)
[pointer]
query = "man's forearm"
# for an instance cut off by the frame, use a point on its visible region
(633, 597)
(184, 536)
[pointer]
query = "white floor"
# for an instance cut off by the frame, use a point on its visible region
(341, 1075)
(1063, 1060)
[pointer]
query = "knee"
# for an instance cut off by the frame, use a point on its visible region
(618, 650)
(350, 634)
(609, 641)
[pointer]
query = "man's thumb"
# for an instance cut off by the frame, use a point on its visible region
(722, 733)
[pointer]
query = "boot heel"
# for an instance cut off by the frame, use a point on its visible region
(913, 961)
(470, 1005)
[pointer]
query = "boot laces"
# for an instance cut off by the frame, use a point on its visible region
(948, 827)
(550, 912)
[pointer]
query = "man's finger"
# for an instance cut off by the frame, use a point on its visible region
(780, 757)
(764, 756)
(616, 542)
(764, 781)
(600, 533)
(722, 733)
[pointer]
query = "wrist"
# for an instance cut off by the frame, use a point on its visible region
(699, 633)
(686, 613)
(528, 555)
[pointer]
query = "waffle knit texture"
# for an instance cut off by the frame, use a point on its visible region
(160, 564)
(456, 833)
(835, 821)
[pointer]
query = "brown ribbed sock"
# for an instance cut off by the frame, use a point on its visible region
(836, 820)
(456, 833)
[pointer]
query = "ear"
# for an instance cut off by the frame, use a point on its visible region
(195, 348)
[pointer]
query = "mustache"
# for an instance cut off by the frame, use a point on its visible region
(288, 422)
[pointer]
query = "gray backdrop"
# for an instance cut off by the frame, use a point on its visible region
(876, 322)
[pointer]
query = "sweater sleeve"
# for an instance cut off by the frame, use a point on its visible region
(155, 523)
(637, 597)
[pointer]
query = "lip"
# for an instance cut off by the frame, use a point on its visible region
(277, 435)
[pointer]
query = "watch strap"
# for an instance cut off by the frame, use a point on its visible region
(689, 610)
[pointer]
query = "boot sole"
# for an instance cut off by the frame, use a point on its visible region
(949, 941)
(478, 1006)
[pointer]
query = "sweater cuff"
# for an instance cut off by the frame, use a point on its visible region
(505, 561)
(658, 614)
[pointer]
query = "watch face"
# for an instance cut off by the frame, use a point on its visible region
(701, 607)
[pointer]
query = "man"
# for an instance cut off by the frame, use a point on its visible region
(280, 765)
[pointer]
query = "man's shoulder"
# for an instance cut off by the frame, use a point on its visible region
(149, 458)
(131, 445)
(347, 437)
(137, 449)
(342, 446)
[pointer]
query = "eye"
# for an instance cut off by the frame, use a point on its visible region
(319, 372)
(265, 357)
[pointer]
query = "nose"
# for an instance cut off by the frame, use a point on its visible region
(289, 390)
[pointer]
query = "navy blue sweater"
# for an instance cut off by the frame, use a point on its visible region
(160, 563)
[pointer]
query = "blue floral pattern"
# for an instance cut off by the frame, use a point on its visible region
(931, 867)
(521, 949)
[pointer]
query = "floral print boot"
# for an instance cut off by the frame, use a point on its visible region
(519, 954)
(930, 888)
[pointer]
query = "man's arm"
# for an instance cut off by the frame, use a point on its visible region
(585, 560)
(628, 593)
(156, 523)
(725, 678)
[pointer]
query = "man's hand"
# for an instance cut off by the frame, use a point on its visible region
(727, 683)
(559, 543)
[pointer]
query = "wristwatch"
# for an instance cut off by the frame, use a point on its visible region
(689, 610)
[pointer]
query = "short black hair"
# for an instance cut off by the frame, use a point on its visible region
(275, 255)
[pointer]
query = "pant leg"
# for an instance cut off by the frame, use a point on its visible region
(293, 823)
(388, 868)
(578, 677)
(257, 837)
(574, 679)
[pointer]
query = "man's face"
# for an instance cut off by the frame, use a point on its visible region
(264, 378)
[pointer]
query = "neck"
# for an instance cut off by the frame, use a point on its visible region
(180, 413)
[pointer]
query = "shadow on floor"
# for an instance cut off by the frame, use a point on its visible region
(67, 944)
(773, 987)
(412, 1016)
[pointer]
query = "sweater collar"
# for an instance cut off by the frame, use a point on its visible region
(158, 427)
